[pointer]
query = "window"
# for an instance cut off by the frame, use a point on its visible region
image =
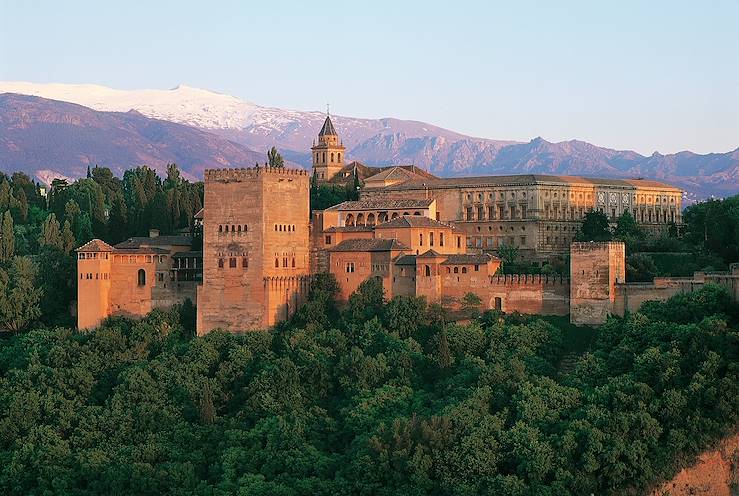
(420, 239)
(431, 239)
(332, 157)
(220, 263)
(464, 270)
(220, 228)
(477, 268)
(459, 241)
(293, 262)
(469, 213)
(498, 303)
(491, 212)
(480, 213)
(160, 276)
(427, 270)
(456, 270)
(339, 157)
(448, 270)
(349, 267)
(441, 239)
(244, 263)
(284, 261)
(277, 263)
(238, 228)
(328, 240)
(141, 277)
(232, 262)
(523, 240)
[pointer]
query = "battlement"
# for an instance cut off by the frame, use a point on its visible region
(589, 246)
(249, 173)
(529, 279)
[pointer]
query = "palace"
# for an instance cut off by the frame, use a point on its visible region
(419, 234)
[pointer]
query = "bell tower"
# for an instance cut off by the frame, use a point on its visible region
(328, 153)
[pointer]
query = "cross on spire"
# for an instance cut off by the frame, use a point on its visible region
(328, 109)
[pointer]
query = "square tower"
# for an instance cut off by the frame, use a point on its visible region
(255, 247)
(595, 269)
(328, 154)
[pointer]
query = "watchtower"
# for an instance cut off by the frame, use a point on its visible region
(595, 268)
(255, 247)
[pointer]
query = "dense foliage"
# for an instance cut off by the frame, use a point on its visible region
(377, 398)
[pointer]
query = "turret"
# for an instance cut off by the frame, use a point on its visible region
(328, 153)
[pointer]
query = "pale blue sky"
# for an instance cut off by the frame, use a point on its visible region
(641, 75)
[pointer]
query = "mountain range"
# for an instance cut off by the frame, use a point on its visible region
(197, 128)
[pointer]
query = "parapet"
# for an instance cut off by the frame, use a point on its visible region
(249, 173)
(587, 246)
(527, 279)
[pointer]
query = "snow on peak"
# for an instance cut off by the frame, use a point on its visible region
(184, 104)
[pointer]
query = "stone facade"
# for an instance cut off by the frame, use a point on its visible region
(538, 214)
(134, 277)
(255, 247)
(595, 269)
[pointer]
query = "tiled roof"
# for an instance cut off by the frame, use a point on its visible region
(142, 250)
(328, 128)
(188, 254)
(374, 244)
(524, 180)
(405, 260)
(468, 259)
(380, 204)
(430, 254)
(413, 221)
(349, 229)
(139, 241)
(95, 245)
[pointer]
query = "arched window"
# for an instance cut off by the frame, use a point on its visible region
(427, 270)
(360, 219)
(332, 157)
(448, 270)
(349, 221)
(339, 159)
(371, 219)
(245, 228)
(277, 262)
(220, 228)
(420, 239)
(284, 261)
(142, 277)
(293, 262)
(324, 157)
(238, 228)
(456, 270)
(220, 263)
(464, 270)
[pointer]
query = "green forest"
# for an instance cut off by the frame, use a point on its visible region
(376, 398)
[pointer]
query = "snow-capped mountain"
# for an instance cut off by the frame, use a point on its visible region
(388, 141)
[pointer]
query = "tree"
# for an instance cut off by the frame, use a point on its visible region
(51, 234)
(508, 254)
(627, 230)
(21, 206)
(640, 268)
(7, 237)
(118, 219)
(19, 298)
(68, 241)
(594, 227)
(83, 233)
(471, 305)
(443, 353)
(274, 158)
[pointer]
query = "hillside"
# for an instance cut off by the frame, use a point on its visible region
(393, 141)
(47, 138)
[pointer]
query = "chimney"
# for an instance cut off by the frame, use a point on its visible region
(153, 233)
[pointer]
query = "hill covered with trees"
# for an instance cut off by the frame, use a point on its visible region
(381, 398)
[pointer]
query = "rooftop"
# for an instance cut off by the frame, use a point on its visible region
(381, 204)
(414, 221)
(524, 180)
(406, 260)
(139, 241)
(328, 128)
(95, 245)
(349, 229)
(370, 245)
(468, 259)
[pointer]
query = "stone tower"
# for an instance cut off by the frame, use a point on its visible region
(595, 269)
(93, 285)
(328, 154)
(255, 248)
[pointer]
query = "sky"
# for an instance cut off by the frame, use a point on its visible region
(640, 75)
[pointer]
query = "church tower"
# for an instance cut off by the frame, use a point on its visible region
(328, 154)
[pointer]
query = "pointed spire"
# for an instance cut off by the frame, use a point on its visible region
(328, 128)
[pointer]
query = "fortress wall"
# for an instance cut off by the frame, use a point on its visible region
(595, 268)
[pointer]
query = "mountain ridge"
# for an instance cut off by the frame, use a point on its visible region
(389, 141)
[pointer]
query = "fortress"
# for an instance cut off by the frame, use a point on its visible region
(419, 234)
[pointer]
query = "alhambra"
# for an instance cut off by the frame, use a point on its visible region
(419, 234)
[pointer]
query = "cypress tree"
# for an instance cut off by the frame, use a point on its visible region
(67, 238)
(51, 234)
(7, 239)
